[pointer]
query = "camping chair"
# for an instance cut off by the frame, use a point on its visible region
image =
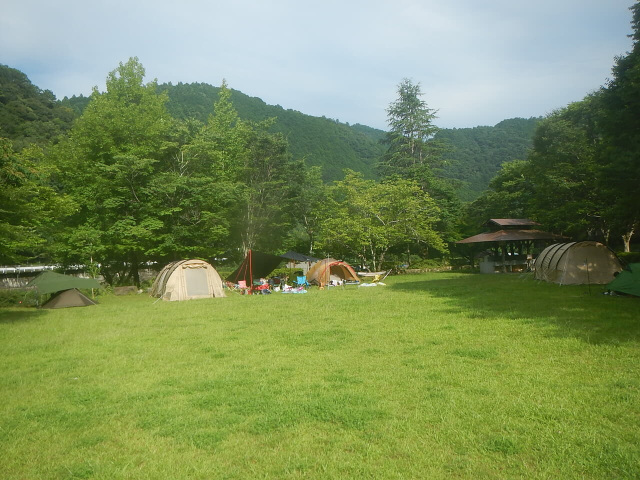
(242, 285)
(302, 281)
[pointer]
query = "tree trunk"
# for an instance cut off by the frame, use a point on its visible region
(626, 238)
(373, 258)
(134, 272)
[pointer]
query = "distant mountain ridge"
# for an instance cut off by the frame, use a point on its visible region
(30, 115)
(320, 141)
(477, 153)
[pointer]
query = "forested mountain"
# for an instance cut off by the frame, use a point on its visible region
(474, 155)
(320, 141)
(28, 114)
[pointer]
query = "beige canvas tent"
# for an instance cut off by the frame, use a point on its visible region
(323, 271)
(577, 263)
(187, 280)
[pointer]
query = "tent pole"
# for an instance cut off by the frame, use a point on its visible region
(250, 272)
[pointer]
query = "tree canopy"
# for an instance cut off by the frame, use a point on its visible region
(145, 173)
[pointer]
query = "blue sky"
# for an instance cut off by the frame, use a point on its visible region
(477, 62)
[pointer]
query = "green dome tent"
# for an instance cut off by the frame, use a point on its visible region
(627, 281)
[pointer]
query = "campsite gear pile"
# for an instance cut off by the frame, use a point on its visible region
(259, 265)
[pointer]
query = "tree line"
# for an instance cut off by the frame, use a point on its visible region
(129, 182)
(582, 176)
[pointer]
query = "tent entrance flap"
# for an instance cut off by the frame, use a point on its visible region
(196, 282)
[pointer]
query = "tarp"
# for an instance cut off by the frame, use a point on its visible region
(299, 257)
(50, 282)
(187, 280)
(255, 265)
(323, 271)
(627, 281)
(577, 263)
(69, 298)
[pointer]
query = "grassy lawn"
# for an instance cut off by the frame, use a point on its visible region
(433, 376)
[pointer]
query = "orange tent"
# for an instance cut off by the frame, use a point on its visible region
(323, 271)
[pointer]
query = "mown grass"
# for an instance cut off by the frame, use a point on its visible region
(432, 376)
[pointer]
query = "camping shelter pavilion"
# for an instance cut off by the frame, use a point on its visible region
(510, 244)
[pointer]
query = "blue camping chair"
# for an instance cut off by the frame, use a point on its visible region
(302, 281)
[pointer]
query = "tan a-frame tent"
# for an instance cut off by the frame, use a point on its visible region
(187, 280)
(69, 298)
(577, 263)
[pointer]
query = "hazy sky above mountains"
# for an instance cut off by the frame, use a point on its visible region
(477, 62)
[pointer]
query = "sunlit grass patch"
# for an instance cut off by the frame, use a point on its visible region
(432, 376)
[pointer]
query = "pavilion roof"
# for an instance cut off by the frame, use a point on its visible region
(511, 236)
(511, 222)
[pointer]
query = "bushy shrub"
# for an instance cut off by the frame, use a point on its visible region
(629, 257)
(17, 297)
(290, 273)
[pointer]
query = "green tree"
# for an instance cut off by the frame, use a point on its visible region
(109, 159)
(364, 219)
(253, 179)
(414, 154)
(30, 209)
(309, 208)
(509, 196)
(620, 168)
(410, 137)
(199, 187)
(564, 172)
(271, 189)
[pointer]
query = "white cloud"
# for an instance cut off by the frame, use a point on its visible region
(477, 62)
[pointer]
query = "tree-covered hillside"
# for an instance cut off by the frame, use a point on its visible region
(474, 155)
(320, 141)
(27, 114)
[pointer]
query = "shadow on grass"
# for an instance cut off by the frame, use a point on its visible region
(15, 315)
(578, 311)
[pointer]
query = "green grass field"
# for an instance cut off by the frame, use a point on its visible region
(433, 376)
